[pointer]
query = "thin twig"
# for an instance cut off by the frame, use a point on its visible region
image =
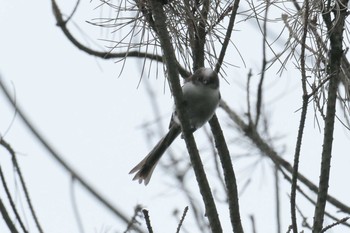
(252, 220)
(307, 197)
(305, 224)
(105, 55)
(266, 149)
(182, 219)
(200, 33)
(73, 12)
(301, 123)
(263, 68)
(59, 158)
(249, 112)
(21, 178)
(133, 220)
(227, 36)
(148, 220)
(13, 206)
(335, 224)
(7, 218)
(195, 206)
(277, 197)
(75, 207)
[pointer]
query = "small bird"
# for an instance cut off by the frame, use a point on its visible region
(201, 97)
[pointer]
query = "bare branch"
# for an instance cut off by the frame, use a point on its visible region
(58, 158)
(335, 32)
(148, 220)
(335, 224)
(75, 206)
(229, 175)
(263, 68)
(133, 220)
(7, 218)
(301, 123)
(265, 148)
(21, 178)
(252, 219)
(227, 36)
(170, 61)
(106, 55)
(13, 206)
(182, 219)
(278, 201)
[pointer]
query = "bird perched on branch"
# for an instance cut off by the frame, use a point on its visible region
(201, 95)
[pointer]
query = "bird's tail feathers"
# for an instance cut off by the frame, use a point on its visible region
(145, 168)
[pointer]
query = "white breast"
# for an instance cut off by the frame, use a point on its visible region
(201, 103)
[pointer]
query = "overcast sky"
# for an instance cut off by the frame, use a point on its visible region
(93, 117)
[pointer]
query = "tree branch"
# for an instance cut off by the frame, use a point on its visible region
(105, 55)
(170, 62)
(10, 199)
(200, 33)
(24, 186)
(335, 32)
(229, 175)
(263, 68)
(305, 99)
(148, 220)
(227, 36)
(7, 218)
(58, 158)
(265, 148)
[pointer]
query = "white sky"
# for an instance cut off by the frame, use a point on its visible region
(93, 119)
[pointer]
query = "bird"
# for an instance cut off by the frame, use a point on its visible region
(201, 96)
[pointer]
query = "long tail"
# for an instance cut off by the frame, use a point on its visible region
(145, 168)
